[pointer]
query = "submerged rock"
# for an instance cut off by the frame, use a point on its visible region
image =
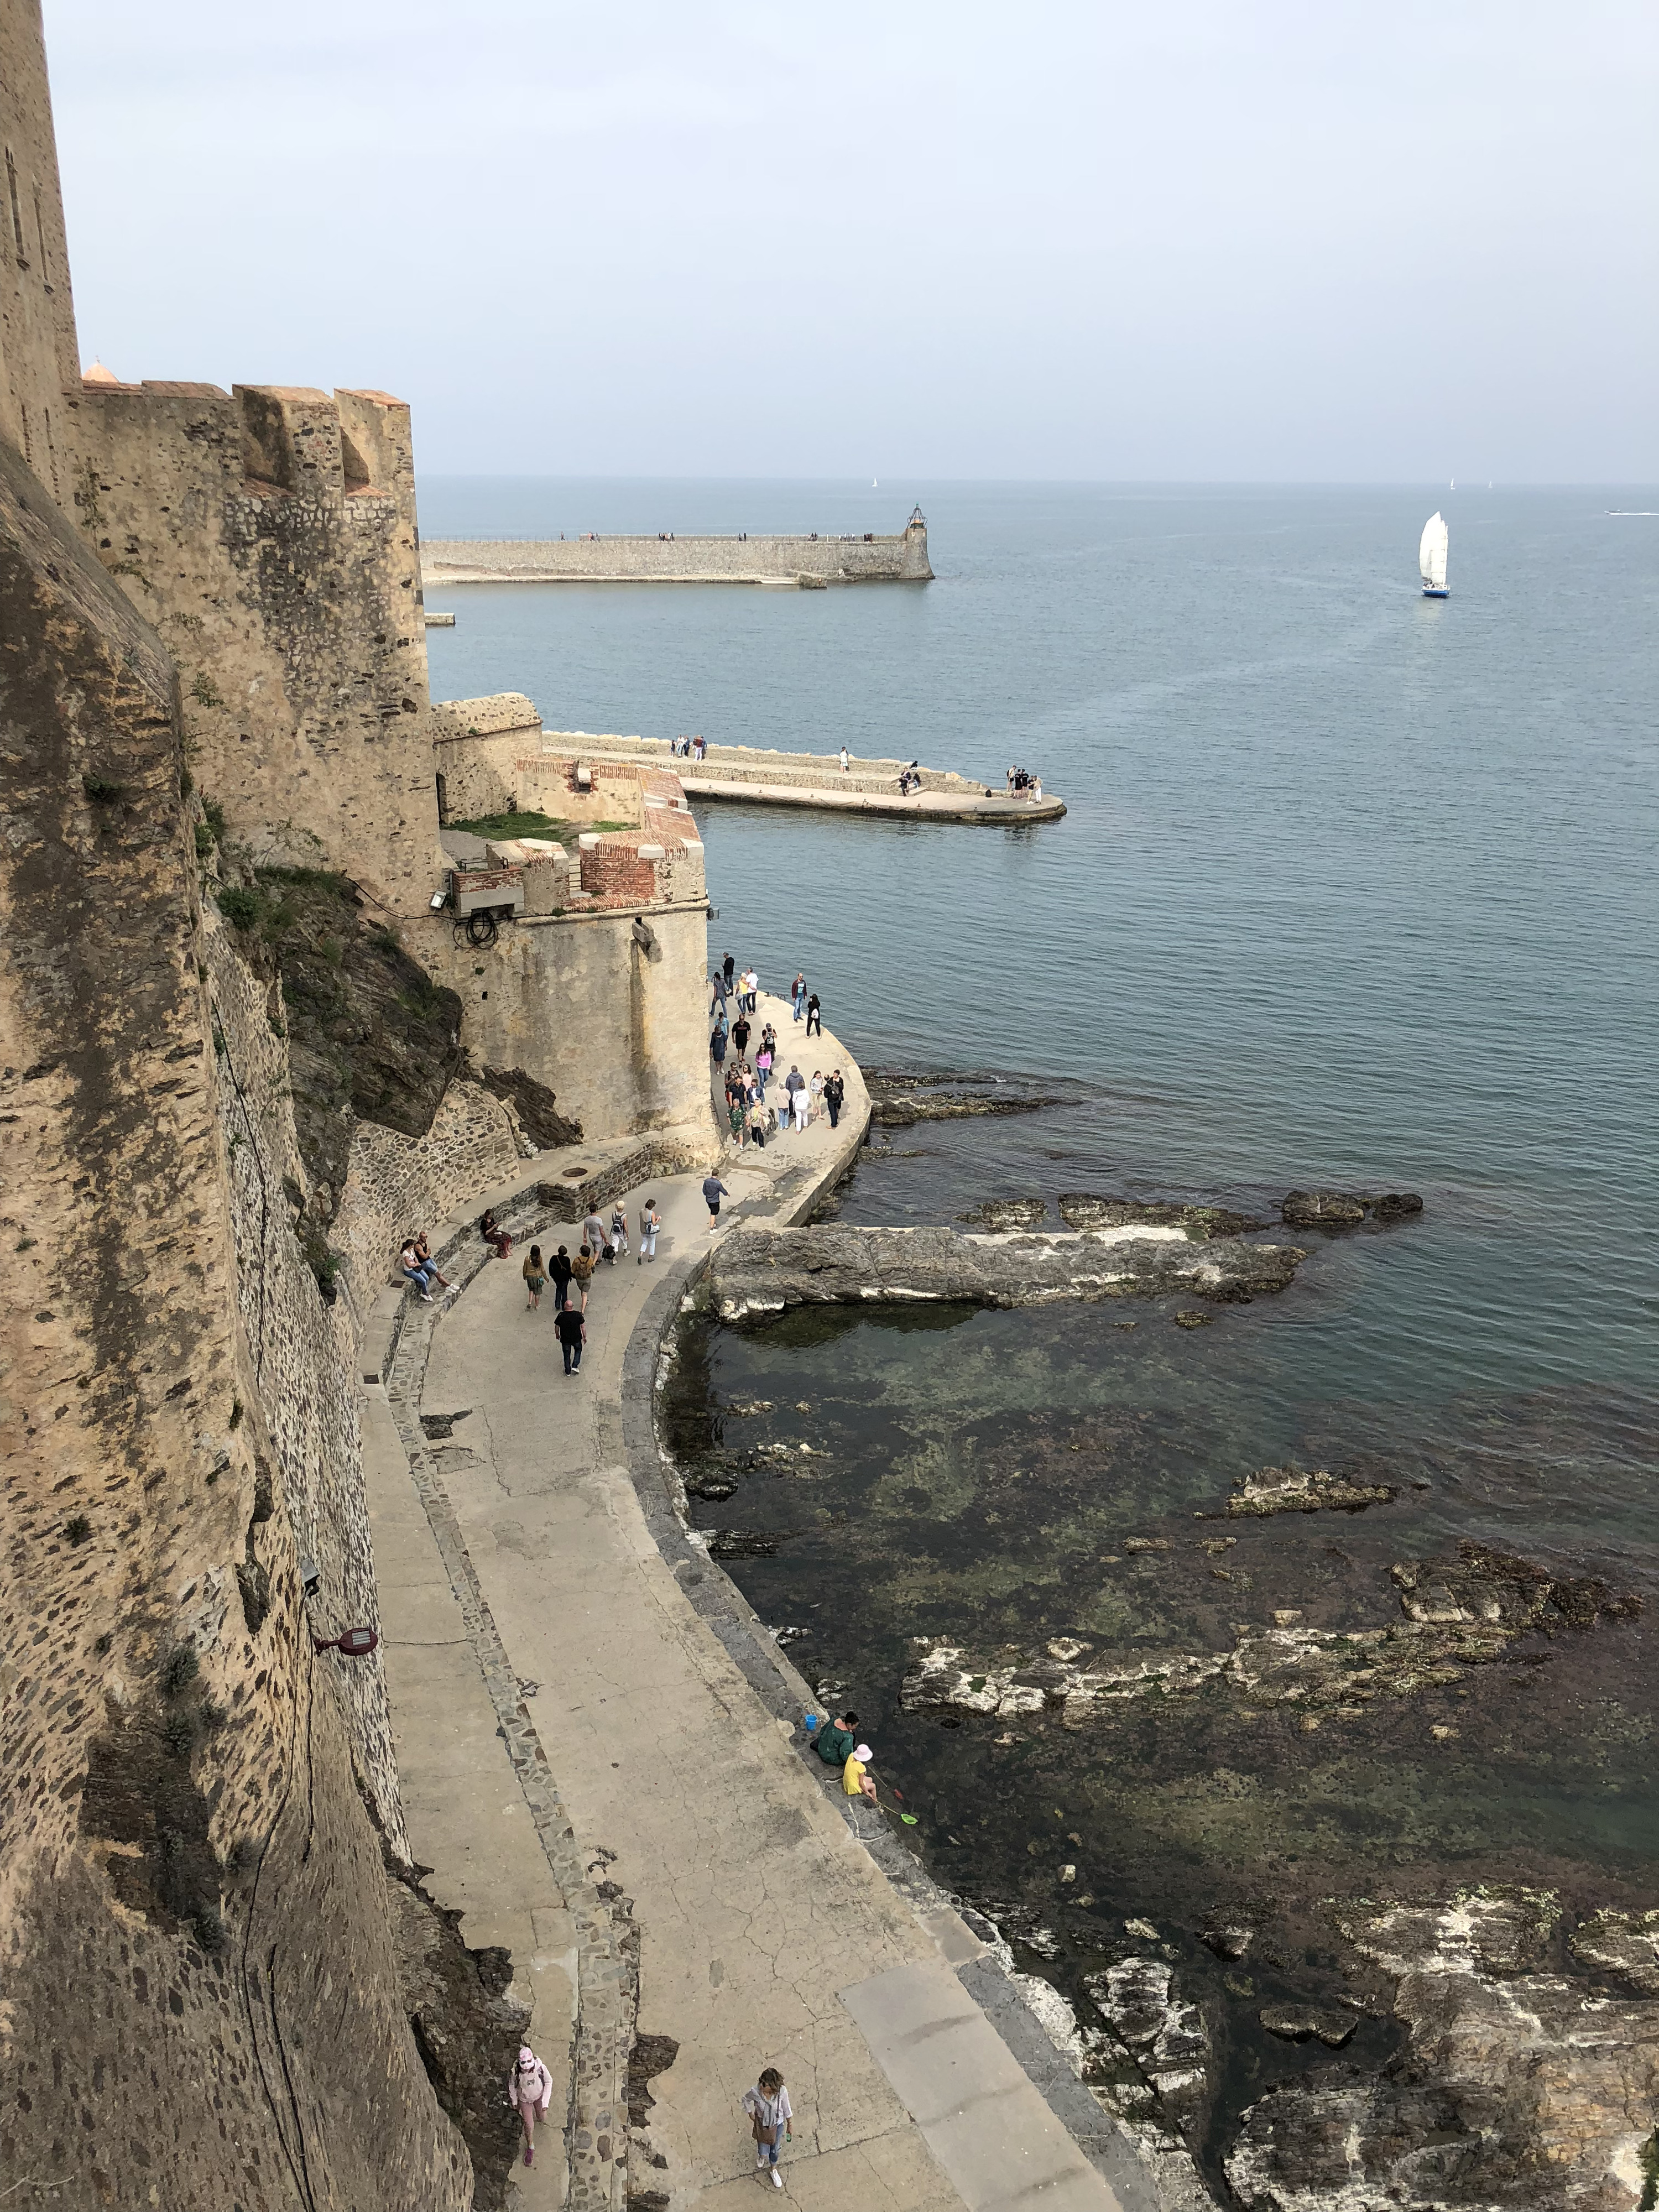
(1007, 1214)
(1317, 1670)
(1341, 1209)
(1517, 2088)
(1081, 1209)
(1291, 1490)
(1624, 1945)
(759, 1272)
(1165, 2035)
(1301, 2023)
(1192, 1320)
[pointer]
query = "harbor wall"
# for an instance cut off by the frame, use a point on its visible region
(858, 560)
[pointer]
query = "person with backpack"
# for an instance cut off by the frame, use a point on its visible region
(535, 1277)
(530, 2092)
(618, 1230)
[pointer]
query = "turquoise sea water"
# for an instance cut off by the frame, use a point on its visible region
(1355, 889)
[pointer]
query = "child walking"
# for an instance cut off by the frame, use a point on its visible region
(530, 2092)
(769, 2117)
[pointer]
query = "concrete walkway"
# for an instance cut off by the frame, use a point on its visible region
(768, 1933)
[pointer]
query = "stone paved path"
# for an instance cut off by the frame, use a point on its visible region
(767, 1932)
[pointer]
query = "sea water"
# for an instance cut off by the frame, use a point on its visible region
(1355, 889)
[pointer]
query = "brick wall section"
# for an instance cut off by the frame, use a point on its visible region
(613, 870)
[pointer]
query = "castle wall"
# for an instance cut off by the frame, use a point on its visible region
(614, 1028)
(202, 1997)
(269, 536)
(37, 357)
(903, 559)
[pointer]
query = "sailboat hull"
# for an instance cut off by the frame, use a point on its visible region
(1437, 591)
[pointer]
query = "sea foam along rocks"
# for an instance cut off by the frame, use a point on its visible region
(760, 1271)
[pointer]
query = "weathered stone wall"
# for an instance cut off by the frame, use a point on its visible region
(681, 560)
(38, 359)
(202, 2003)
(614, 1028)
(269, 536)
(398, 1183)
(476, 747)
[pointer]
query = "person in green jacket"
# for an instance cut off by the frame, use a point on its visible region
(836, 1740)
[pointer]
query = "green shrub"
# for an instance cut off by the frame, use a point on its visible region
(525, 824)
(216, 817)
(99, 789)
(77, 1528)
(242, 909)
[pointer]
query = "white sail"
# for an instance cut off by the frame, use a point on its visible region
(1431, 553)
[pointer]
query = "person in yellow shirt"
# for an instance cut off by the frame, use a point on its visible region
(853, 1780)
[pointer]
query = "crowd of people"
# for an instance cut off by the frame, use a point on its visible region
(695, 749)
(1022, 783)
(800, 1100)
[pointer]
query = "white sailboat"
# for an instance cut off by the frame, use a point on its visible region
(1432, 557)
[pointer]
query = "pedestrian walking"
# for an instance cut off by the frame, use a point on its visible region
(573, 1334)
(740, 1033)
(715, 1190)
(717, 984)
(737, 1116)
(815, 1090)
(530, 2092)
(794, 1086)
(729, 968)
(763, 1066)
(770, 2114)
(618, 1230)
(757, 1124)
(798, 997)
(558, 1274)
(835, 1091)
(650, 1222)
(845, 764)
(535, 1277)
(814, 1017)
(751, 992)
(853, 1780)
(582, 1273)
(593, 1233)
(717, 1044)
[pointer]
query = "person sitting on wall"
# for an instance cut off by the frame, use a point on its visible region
(492, 1232)
(423, 1253)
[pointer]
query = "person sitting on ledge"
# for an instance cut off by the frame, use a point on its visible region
(492, 1232)
(836, 1743)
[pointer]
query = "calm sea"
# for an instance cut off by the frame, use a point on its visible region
(1355, 889)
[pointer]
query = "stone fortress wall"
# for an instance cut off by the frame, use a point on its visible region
(269, 536)
(611, 932)
(758, 560)
(213, 596)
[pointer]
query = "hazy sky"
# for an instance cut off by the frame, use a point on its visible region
(1199, 239)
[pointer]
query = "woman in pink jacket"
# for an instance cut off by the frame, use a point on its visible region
(530, 2092)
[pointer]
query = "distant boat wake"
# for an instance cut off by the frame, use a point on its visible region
(1635, 513)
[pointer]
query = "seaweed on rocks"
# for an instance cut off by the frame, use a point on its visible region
(1082, 1210)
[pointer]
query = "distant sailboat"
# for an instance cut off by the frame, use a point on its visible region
(874, 486)
(1432, 557)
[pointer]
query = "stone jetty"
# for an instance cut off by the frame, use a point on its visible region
(763, 778)
(800, 563)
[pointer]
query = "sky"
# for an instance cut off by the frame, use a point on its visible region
(1303, 241)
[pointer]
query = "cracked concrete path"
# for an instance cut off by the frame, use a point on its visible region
(769, 1936)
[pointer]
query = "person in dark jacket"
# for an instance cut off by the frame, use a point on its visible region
(835, 1092)
(814, 1017)
(836, 1740)
(573, 1334)
(558, 1274)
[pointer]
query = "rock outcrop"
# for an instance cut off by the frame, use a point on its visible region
(759, 1272)
(1080, 1209)
(1518, 2087)
(1343, 1209)
(1462, 1613)
(1273, 1490)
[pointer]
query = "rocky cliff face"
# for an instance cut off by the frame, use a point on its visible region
(203, 2003)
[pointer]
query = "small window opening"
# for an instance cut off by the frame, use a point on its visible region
(353, 466)
(443, 801)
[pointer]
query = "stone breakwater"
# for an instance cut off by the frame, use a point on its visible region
(803, 562)
(762, 777)
(762, 1272)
